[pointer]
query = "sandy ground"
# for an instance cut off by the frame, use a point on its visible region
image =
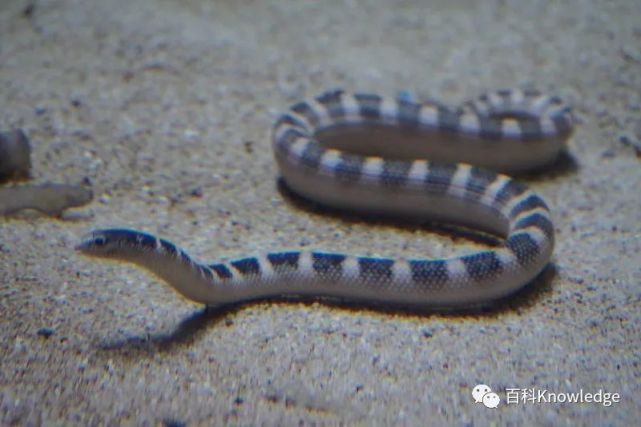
(165, 107)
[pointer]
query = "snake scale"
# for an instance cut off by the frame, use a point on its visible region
(387, 156)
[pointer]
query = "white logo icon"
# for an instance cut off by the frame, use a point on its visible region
(484, 394)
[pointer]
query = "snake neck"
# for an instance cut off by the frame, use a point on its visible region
(179, 270)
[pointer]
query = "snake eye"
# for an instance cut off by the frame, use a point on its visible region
(100, 240)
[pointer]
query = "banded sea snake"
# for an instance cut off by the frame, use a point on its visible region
(367, 153)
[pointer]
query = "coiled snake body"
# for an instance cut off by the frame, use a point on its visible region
(394, 157)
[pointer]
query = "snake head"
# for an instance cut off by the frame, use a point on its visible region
(101, 243)
(115, 243)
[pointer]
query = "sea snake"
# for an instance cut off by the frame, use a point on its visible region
(387, 156)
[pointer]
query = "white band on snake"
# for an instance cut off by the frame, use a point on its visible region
(386, 156)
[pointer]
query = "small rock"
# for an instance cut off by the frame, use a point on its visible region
(45, 332)
(196, 192)
(630, 141)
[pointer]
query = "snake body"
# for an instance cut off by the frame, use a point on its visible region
(397, 157)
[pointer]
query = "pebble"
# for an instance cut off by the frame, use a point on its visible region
(45, 332)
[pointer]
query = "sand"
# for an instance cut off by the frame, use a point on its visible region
(165, 108)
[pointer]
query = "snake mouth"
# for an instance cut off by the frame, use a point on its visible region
(82, 247)
(85, 243)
